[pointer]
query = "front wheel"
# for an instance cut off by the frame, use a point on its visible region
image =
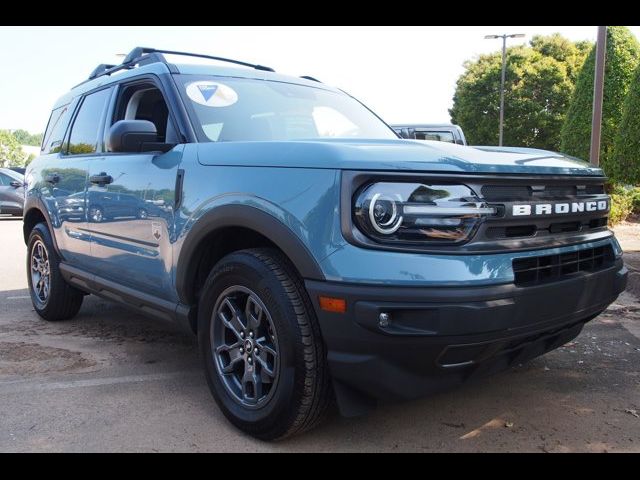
(262, 350)
(52, 297)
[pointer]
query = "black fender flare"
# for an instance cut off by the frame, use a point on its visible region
(32, 203)
(248, 217)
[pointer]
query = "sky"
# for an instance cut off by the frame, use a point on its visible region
(404, 74)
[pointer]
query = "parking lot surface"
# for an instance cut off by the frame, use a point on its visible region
(111, 380)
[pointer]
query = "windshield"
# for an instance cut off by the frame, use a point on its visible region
(240, 109)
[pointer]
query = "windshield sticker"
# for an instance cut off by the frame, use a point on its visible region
(211, 94)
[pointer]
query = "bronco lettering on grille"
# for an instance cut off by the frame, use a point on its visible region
(560, 208)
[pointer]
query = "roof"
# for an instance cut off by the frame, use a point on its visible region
(160, 68)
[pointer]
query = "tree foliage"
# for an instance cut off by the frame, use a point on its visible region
(11, 153)
(626, 151)
(539, 82)
(26, 138)
(622, 58)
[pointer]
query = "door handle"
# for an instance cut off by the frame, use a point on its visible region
(101, 179)
(52, 178)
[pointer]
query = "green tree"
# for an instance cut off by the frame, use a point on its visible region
(626, 150)
(26, 138)
(540, 79)
(11, 153)
(622, 58)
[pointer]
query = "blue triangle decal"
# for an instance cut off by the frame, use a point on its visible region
(207, 91)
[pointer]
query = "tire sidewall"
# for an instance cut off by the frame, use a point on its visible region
(249, 271)
(42, 234)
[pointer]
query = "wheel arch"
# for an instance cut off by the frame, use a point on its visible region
(227, 220)
(34, 213)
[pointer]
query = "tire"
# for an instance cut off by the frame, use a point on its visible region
(297, 396)
(62, 301)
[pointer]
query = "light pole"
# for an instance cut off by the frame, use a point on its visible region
(504, 69)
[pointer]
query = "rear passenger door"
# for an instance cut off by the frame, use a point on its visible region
(64, 178)
(131, 218)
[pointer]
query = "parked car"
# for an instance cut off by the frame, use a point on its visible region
(315, 254)
(104, 205)
(11, 192)
(20, 170)
(441, 132)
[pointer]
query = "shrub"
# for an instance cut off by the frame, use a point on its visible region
(635, 199)
(622, 59)
(625, 200)
(626, 150)
(621, 208)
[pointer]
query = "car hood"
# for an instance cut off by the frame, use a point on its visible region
(396, 155)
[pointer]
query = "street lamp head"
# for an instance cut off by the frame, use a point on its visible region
(513, 35)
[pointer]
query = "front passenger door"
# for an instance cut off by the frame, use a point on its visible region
(131, 198)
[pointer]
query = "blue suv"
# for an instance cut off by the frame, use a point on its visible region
(317, 256)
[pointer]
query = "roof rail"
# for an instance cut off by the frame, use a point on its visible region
(307, 77)
(99, 69)
(145, 55)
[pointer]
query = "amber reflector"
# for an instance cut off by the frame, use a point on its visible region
(330, 304)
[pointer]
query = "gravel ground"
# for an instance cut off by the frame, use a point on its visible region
(110, 380)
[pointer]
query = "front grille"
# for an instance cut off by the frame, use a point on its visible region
(511, 193)
(497, 193)
(525, 230)
(549, 268)
(517, 231)
(506, 230)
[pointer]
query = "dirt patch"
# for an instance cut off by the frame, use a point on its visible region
(101, 320)
(632, 262)
(628, 234)
(18, 358)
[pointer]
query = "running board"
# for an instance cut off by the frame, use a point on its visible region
(144, 303)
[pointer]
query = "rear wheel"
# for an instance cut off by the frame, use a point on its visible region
(263, 354)
(52, 298)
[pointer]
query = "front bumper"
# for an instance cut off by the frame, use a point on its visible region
(437, 338)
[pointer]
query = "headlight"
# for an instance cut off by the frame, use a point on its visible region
(417, 213)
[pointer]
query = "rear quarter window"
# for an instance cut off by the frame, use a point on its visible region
(56, 128)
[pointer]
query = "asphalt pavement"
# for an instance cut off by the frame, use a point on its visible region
(112, 380)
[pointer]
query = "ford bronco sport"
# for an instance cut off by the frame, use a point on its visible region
(316, 255)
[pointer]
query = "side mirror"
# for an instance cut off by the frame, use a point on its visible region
(16, 184)
(133, 136)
